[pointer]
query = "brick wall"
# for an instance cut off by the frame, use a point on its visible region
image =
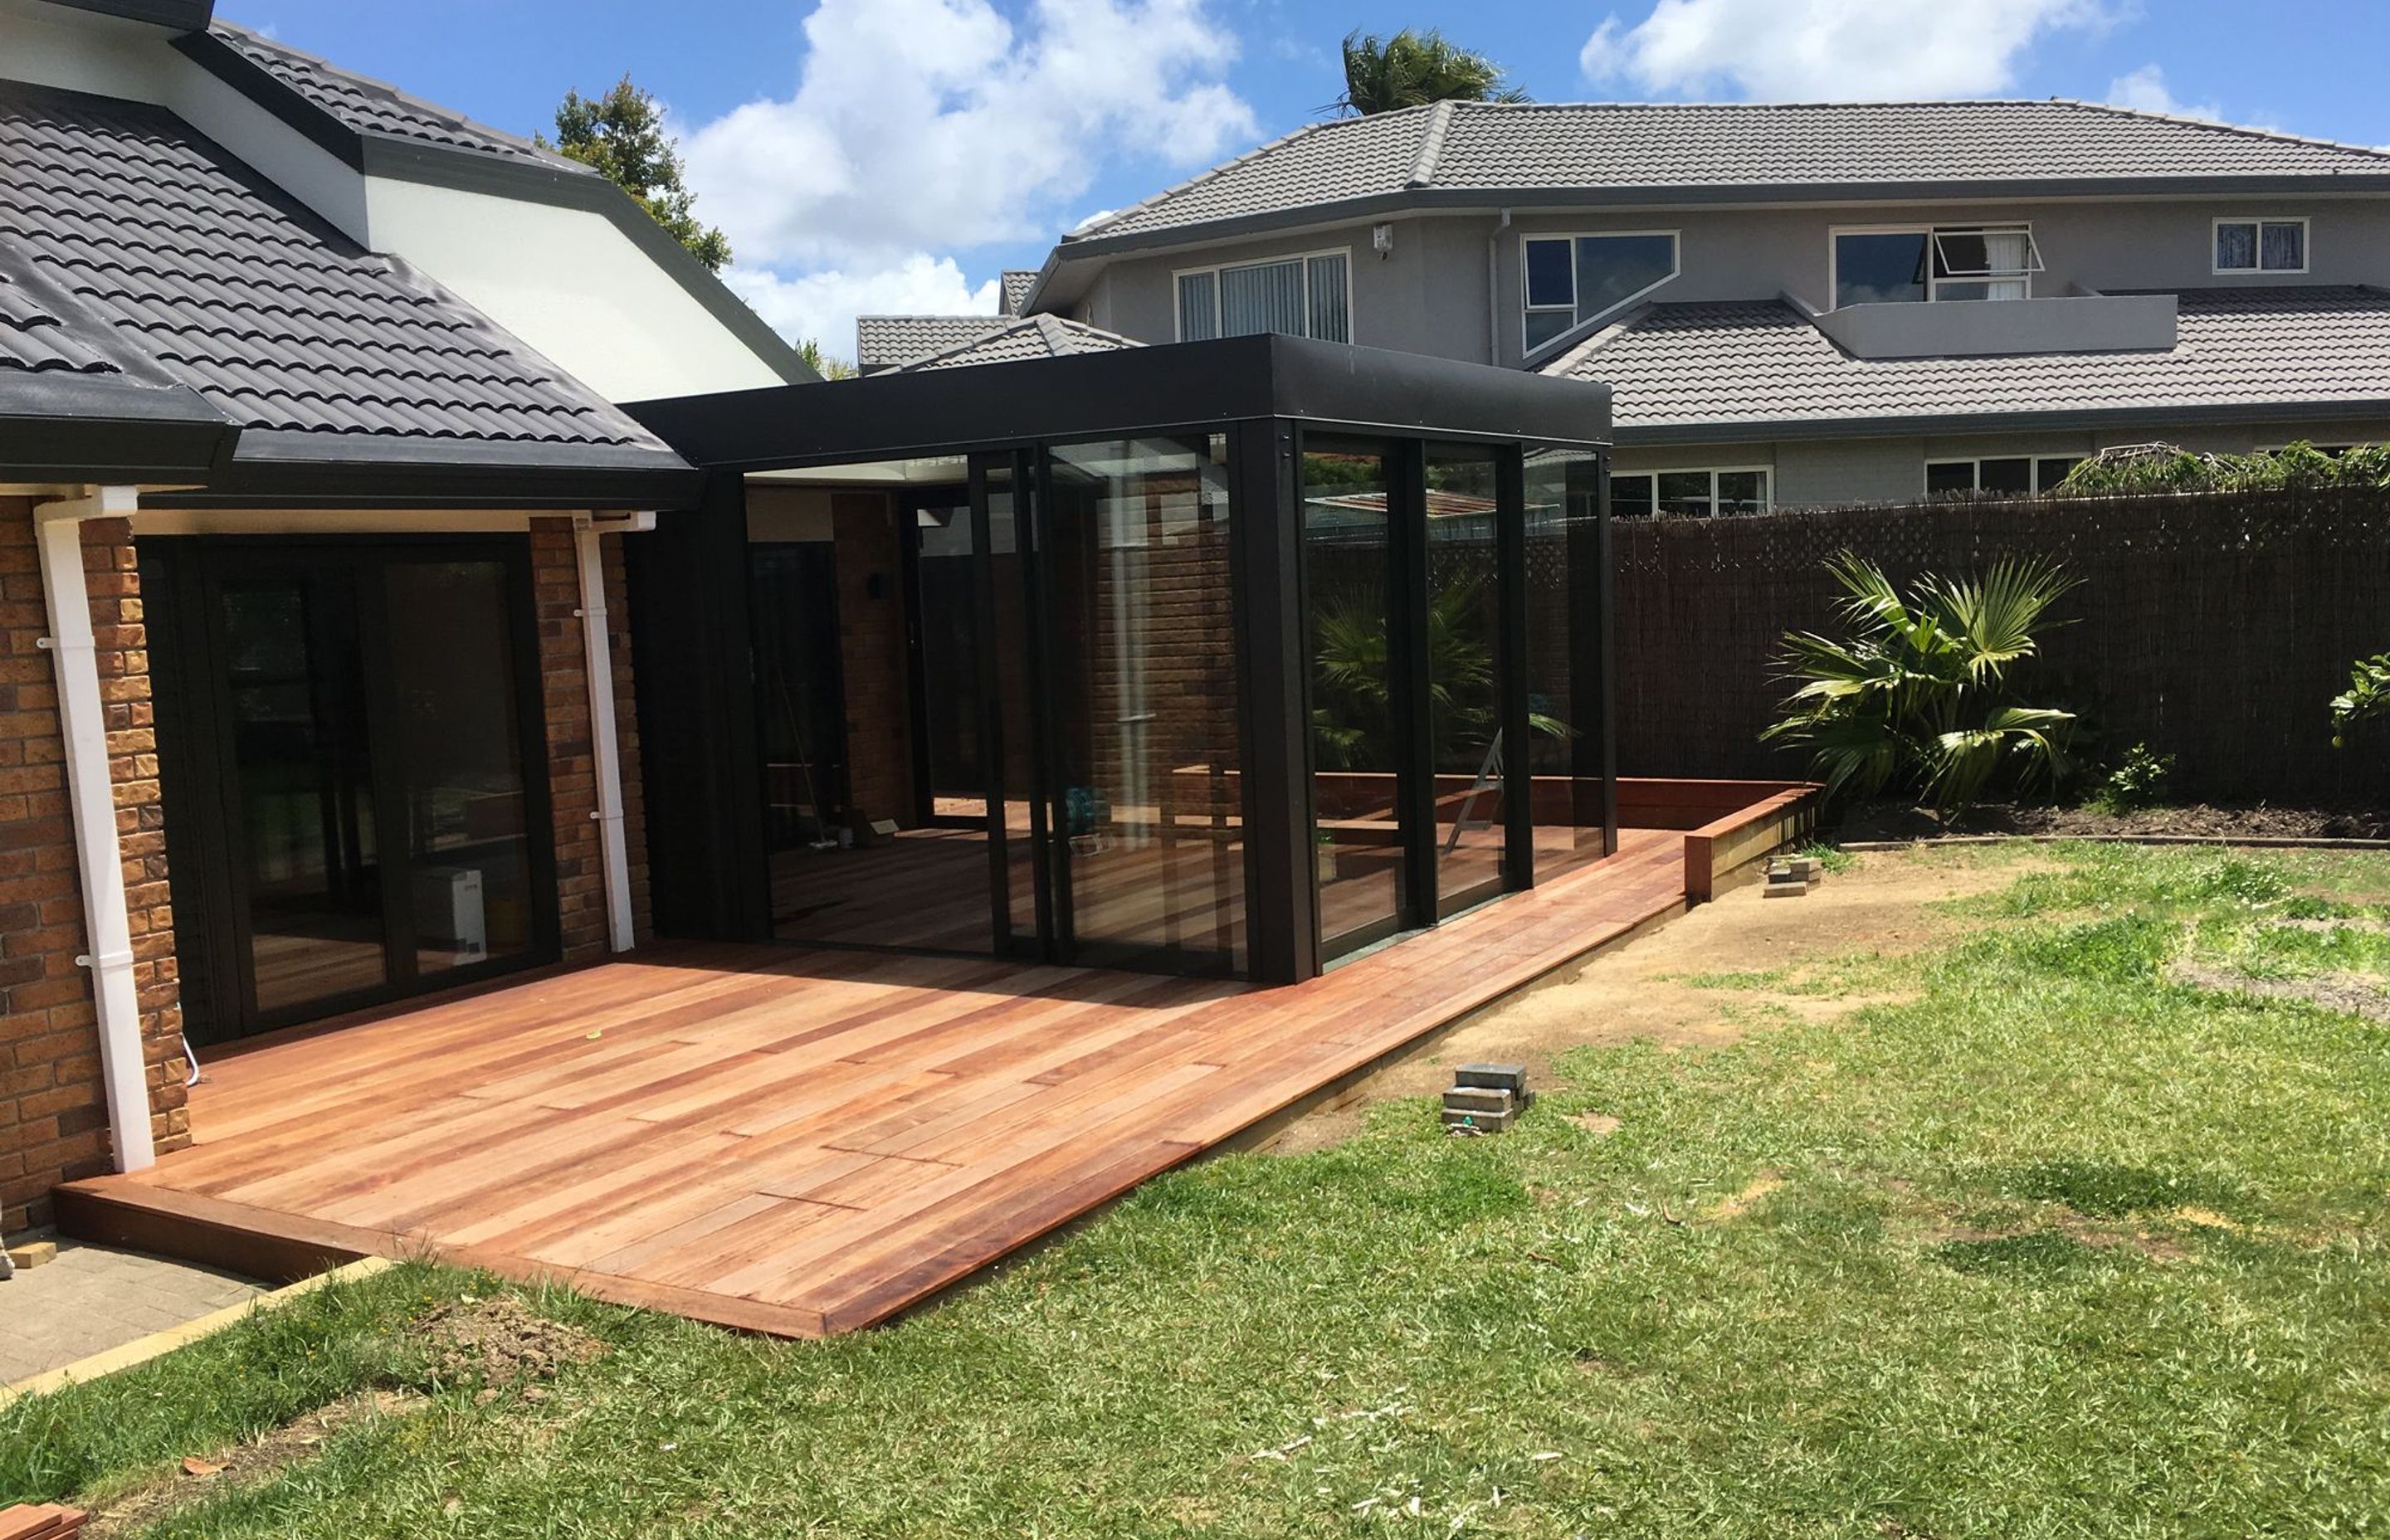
(572, 772)
(53, 1110)
(872, 651)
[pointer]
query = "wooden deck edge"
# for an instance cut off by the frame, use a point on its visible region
(1718, 849)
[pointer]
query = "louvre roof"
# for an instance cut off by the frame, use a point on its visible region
(1029, 336)
(1461, 153)
(132, 244)
(1682, 371)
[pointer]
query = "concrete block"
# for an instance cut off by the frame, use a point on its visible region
(1481, 1123)
(1505, 1077)
(34, 1253)
(1788, 890)
(1479, 1099)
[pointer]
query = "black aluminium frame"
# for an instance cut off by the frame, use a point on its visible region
(1262, 394)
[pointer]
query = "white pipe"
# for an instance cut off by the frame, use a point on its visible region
(1494, 291)
(614, 848)
(92, 798)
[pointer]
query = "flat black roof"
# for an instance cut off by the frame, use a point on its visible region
(922, 413)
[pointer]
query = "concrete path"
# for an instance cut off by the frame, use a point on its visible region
(94, 1298)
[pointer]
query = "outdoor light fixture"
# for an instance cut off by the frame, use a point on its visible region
(1382, 240)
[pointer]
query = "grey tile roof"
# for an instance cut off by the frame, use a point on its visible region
(884, 341)
(178, 256)
(34, 339)
(1454, 150)
(1704, 366)
(1029, 336)
(1017, 282)
(368, 105)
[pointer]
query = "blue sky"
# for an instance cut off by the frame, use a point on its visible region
(894, 155)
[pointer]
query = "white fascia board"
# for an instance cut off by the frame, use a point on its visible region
(292, 161)
(74, 50)
(569, 283)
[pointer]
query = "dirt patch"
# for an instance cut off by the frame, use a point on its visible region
(1600, 1125)
(499, 1344)
(195, 1479)
(1648, 988)
(2332, 991)
(1735, 1205)
(2203, 819)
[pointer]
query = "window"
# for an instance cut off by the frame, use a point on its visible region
(1573, 279)
(1307, 296)
(2261, 245)
(2009, 475)
(1690, 493)
(1985, 261)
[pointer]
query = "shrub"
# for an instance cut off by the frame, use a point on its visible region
(2367, 696)
(2138, 782)
(2151, 467)
(1918, 697)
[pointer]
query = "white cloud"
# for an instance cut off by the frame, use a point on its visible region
(822, 305)
(938, 124)
(2145, 91)
(1812, 50)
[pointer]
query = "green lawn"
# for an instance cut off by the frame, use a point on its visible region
(2059, 1247)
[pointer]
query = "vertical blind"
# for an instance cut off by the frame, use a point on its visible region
(1304, 296)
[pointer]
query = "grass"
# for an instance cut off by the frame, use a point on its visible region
(2058, 1247)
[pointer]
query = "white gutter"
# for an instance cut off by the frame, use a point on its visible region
(605, 750)
(91, 798)
(1494, 291)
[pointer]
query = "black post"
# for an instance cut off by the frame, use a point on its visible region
(1512, 668)
(1273, 668)
(1407, 654)
(1606, 657)
(709, 869)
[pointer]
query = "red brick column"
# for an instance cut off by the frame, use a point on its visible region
(572, 767)
(53, 1107)
(872, 652)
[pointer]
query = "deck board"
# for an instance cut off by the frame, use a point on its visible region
(800, 1140)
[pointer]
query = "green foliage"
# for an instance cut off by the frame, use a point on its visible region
(1918, 697)
(621, 135)
(2367, 696)
(2139, 781)
(1352, 722)
(827, 365)
(1413, 68)
(2155, 467)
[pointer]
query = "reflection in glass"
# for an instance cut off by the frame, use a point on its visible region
(1148, 843)
(802, 731)
(1563, 599)
(1879, 267)
(1356, 752)
(303, 775)
(946, 598)
(452, 664)
(1464, 592)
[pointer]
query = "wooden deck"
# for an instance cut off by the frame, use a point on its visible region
(796, 1141)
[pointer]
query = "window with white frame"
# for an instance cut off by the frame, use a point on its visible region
(1692, 493)
(1570, 280)
(2261, 245)
(1307, 296)
(2010, 475)
(1946, 261)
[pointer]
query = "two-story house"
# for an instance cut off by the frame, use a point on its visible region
(1800, 304)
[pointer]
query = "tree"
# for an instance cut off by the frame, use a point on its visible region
(1413, 68)
(824, 364)
(621, 135)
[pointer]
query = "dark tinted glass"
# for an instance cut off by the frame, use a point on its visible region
(1878, 268)
(2015, 476)
(1549, 267)
(1950, 476)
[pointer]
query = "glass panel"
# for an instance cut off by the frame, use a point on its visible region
(946, 598)
(1611, 268)
(1331, 318)
(2010, 477)
(794, 589)
(1198, 307)
(2051, 471)
(303, 772)
(1268, 297)
(2236, 248)
(1878, 268)
(1464, 603)
(1563, 592)
(1742, 492)
(1630, 497)
(1142, 638)
(1947, 476)
(1685, 493)
(452, 672)
(1357, 805)
(1544, 324)
(2283, 247)
(1552, 274)
(1025, 822)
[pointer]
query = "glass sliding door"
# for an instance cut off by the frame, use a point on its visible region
(1360, 747)
(1463, 639)
(1567, 596)
(1140, 646)
(949, 607)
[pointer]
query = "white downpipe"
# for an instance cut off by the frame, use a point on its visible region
(597, 654)
(92, 798)
(1494, 291)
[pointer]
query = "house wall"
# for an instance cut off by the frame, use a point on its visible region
(53, 1108)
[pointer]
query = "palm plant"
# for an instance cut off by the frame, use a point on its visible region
(1413, 68)
(1352, 724)
(1919, 695)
